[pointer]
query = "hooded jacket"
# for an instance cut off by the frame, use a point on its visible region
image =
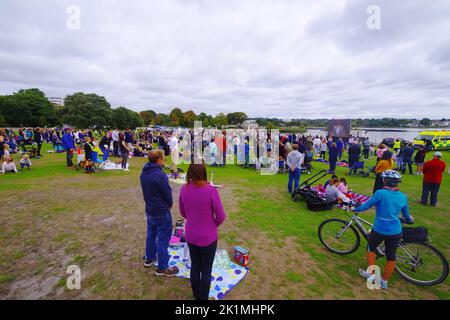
(156, 190)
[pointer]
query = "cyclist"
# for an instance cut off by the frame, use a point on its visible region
(389, 202)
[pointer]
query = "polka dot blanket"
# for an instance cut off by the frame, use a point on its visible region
(224, 276)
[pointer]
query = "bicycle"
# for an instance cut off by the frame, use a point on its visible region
(418, 263)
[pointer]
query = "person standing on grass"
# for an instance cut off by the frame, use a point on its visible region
(389, 203)
(333, 157)
(432, 179)
(115, 139)
(68, 145)
(124, 151)
(174, 152)
(366, 146)
(158, 202)
(200, 205)
(294, 161)
(340, 147)
(386, 163)
(408, 153)
(419, 159)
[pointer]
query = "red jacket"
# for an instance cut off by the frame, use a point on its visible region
(433, 170)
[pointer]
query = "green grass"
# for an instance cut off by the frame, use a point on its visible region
(58, 217)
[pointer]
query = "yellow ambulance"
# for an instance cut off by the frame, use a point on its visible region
(440, 140)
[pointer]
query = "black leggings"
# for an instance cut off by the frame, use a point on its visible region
(390, 243)
(202, 259)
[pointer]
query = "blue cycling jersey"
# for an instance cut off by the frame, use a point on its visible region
(388, 204)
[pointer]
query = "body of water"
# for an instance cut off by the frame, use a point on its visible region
(376, 135)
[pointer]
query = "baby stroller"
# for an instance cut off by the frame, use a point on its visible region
(358, 169)
(305, 189)
(314, 201)
(307, 166)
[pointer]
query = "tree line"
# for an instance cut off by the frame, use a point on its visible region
(31, 108)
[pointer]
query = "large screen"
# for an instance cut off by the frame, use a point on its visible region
(339, 128)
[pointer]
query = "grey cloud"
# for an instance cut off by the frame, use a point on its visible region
(288, 58)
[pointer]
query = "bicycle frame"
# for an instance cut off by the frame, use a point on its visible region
(359, 223)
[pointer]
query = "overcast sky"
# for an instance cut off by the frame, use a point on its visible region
(280, 58)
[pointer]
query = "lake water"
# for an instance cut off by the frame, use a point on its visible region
(376, 135)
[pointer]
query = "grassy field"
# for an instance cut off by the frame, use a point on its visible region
(53, 217)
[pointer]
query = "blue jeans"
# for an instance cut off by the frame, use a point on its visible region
(294, 176)
(159, 231)
(432, 188)
(105, 153)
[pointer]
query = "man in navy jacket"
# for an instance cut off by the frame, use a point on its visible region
(158, 202)
(68, 145)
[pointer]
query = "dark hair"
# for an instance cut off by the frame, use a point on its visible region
(343, 180)
(121, 137)
(387, 155)
(196, 174)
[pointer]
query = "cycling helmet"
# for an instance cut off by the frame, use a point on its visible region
(391, 178)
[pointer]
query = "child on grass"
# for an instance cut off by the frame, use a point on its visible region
(25, 162)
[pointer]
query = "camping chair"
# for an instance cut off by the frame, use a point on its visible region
(358, 169)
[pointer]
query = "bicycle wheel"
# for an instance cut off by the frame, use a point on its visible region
(421, 264)
(337, 237)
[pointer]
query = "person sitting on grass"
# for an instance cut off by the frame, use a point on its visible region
(25, 162)
(387, 228)
(343, 186)
(8, 165)
(332, 193)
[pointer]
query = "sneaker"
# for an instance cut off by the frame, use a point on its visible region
(126, 170)
(383, 284)
(149, 262)
(365, 274)
(169, 272)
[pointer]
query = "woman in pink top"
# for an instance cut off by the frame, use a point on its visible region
(201, 206)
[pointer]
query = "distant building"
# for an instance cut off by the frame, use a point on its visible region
(250, 124)
(57, 100)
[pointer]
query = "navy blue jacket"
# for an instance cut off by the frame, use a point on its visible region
(128, 137)
(333, 154)
(67, 141)
(156, 190)
(354, 152)
(408, 153)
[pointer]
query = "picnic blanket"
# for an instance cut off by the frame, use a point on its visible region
(356, 197)
(225, 275)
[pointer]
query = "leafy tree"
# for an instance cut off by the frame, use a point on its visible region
(189, 118)
(236, 118)
(176, 117)
(220, 120)
(425, 122)
(149, 117)
(162, 119)
(125, 118)
(29, 107)
(87, 110)
(2, 120)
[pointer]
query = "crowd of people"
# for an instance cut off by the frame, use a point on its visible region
(199, 201)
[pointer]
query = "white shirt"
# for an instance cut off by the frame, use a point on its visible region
(173, 143)
(115, 136)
